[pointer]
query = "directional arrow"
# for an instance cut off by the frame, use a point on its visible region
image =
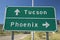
(16, 11)
(46, 24)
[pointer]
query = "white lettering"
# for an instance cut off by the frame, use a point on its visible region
(16, 24)
(25, 11)
(35, 12)
(12, 23)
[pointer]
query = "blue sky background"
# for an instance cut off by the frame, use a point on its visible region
(5, 3)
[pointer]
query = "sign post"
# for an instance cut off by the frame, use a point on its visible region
(47, 35)
(12, 35)
(32, 31)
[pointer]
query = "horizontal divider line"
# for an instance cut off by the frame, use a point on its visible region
(26, 18)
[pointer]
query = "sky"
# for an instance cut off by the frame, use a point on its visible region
(5, 3)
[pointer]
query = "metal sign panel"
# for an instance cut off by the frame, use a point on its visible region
(30, 19)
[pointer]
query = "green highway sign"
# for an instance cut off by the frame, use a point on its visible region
(30, 19)
(34, 12)
(30, 24)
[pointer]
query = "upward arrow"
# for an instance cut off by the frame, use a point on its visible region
(16, 11)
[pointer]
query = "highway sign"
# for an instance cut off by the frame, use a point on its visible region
(30, 19)
(34, 12)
